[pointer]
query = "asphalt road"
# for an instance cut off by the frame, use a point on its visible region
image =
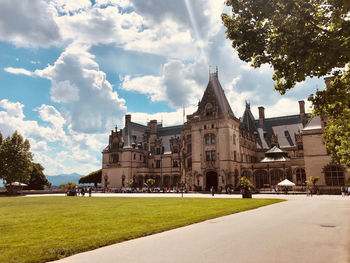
(303, 229)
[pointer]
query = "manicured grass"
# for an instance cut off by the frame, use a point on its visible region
(39, 229)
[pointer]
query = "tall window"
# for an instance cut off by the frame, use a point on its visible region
(212, 138)
(157, 163)
(207, 156)
(209, 139)
(301, 176)
(334, 175)
(213, 156)
(189, 163)
(276, 176)
(189, 148)
(235, 155)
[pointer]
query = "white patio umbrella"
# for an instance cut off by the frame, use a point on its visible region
(286, 182)
(16, 184)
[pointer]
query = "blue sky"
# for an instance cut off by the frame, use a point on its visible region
(71, 70)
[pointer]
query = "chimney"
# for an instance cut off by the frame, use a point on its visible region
(302, 114)
(261, 115)
(127, 118)
(301, 107)
(153, 126)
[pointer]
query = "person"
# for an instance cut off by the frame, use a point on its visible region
(90, 190)
(82, 192)
(349, 190)
(212, 190)
(307, 190)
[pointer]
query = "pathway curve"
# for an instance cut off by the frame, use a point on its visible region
(303, 229)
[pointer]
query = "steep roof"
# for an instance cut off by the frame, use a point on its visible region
(134, 132)
(215, 95)
(284, 128)
(313, 124)
(248, 121)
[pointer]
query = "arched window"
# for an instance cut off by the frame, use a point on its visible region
(301, 176)
(261, 178)
(334, 175)
(209, 110)
(276, 176)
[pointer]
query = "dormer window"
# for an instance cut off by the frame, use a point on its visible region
(209, 110)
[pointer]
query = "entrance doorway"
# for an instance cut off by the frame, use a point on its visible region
(212, 180)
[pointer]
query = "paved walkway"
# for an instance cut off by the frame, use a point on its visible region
(303, 229)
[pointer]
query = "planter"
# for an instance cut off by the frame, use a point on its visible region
(246, 195)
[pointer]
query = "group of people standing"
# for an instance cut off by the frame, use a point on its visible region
(345, 191)
(79, 191)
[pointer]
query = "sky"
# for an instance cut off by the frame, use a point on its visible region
(71, 70)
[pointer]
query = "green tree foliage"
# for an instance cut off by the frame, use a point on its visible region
(68, 186)
(335, 102)
(245, 184)
(149, 183)
(92, 178)
(37, 179)
(300, 39)
(297, 38)
(15, 159)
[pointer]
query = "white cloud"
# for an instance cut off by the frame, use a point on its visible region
(64, 91)
(67, 6)
(178, 84)
(14, 110)
(149, 85)
(50, 114)
(128, 30)
(168, 118)
(18, 71)
(79, 152)
(27, 23)
(77, 82)
(12, 118)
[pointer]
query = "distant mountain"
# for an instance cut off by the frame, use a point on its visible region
(59, 179)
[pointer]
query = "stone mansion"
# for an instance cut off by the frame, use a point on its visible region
(215, 148)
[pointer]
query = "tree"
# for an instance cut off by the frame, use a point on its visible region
(335, 102)
(92, 178)
(246, 187)
(68, 186)
(312, 181)
(149, 183)
(15, 159)
(299, 39)
(37, 179)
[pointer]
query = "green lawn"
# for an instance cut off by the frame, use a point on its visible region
(39, 229)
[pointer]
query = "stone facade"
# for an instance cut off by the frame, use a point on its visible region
(214, 148)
